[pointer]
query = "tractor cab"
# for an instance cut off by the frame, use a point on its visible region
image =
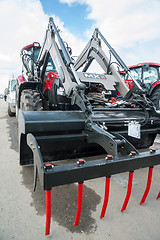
(146, 74)
(29, 57)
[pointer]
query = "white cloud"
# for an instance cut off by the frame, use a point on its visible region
(124, 23)
(127, 21)
(23, 22)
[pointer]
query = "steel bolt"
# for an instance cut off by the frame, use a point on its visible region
(48, 166)
(132, 153)
(109, 157)
(81, 162)
(152, 150)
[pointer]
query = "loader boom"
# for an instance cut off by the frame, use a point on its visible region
(93, 50)
(71, 82)
(74, 81)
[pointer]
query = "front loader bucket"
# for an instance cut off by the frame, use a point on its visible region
(64, 135)
(59, 134)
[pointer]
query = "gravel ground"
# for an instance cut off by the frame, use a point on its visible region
(22, 211)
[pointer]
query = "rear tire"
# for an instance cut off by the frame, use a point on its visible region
(30, 101)
(155, 98)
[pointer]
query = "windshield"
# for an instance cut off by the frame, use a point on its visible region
(50, 66)
(136, 73)
(150, 74)
(145, 76)
(36, 53)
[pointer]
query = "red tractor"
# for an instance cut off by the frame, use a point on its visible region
(30, 90)
(26, 97)
(65, 113)
(37, 85)
(148, 76)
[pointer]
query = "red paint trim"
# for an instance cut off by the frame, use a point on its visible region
(129, 83)
(21, 79)
(48, 212)
(155, 84)
(148, 185)
(29, 46)
(142, 64)
(106, 197)
(79, 205)
(130, 180)
(49, 80)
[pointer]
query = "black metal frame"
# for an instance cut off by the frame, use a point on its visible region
(51, 176)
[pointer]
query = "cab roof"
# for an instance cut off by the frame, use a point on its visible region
(27, 48)
(145, 63)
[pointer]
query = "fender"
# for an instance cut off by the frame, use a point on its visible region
(153, 87)
(48, 82)
(20, 79)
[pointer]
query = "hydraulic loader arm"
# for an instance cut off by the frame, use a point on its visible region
(71, 82)
(93, 50)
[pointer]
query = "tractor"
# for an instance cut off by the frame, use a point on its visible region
(148, 76)
(64, 112)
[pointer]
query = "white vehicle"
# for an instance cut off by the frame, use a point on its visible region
(11, 96)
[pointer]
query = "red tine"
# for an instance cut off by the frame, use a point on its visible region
(130, 180)
(79, 205)
(106, 197)
(148, 185)
(158, 196)
(48, 212)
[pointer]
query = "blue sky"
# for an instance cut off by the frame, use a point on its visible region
(74, 16)
(131, 27)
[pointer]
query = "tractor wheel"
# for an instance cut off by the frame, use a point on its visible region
(10, 113)
(30, 100)
(155, 98)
